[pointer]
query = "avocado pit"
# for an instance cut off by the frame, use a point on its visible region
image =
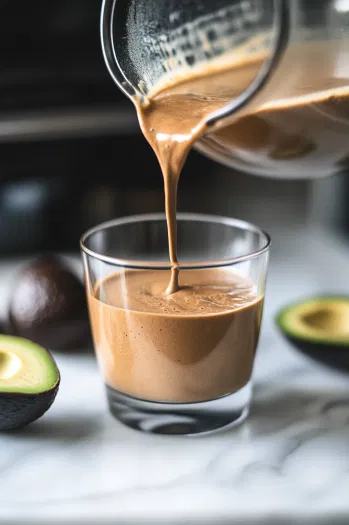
(333, 319)
(10, 364)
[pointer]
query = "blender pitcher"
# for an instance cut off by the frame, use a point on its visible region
(291, 120)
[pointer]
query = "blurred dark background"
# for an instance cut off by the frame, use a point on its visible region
(71, 152)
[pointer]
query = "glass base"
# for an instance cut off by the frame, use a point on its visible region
(180, 418)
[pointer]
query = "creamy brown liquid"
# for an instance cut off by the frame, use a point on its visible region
(194, 345)
(307, 134)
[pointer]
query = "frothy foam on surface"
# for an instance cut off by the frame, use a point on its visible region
(201, 292)
(196, 344)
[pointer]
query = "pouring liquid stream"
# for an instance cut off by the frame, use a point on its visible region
(173, 118)
(171, 145)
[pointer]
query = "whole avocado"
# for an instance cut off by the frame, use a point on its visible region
(48, 306)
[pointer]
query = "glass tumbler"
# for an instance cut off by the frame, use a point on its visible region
(178, 364)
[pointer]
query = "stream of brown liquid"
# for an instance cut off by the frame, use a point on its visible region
(173, 120)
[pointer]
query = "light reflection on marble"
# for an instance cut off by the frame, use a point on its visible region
(289, 459)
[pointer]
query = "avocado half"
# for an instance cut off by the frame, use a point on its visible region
(29, 382)
(319, 328)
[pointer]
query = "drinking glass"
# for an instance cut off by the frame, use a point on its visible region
(148, 360)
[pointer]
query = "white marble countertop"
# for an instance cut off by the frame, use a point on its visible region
(289, 461)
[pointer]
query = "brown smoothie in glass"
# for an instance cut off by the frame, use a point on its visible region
(194, 345)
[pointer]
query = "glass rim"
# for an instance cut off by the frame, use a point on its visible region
(187, 265)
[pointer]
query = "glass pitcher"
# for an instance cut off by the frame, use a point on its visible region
(291, 119)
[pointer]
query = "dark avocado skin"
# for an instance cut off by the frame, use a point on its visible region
(334, 356)
(48, 306)
(19, 410)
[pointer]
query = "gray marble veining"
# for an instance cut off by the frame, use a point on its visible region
(289, 462)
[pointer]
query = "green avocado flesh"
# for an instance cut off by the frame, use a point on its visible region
(25, 367)
(322, 320)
